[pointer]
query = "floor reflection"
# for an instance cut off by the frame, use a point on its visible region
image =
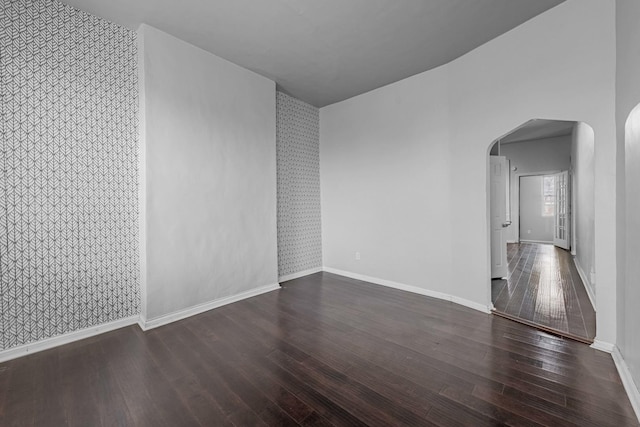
(543, 288)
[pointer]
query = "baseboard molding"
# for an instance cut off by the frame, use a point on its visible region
(147, 324)
(142, 321)
(409, 288)
(627, 380)
(585, 282)
(603, 346)
(536, 241)
(48, 343)
(299, 274)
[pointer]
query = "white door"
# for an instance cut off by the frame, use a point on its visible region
(561, 234)
(498, 196)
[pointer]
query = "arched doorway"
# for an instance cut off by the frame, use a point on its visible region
(629, 339)
(542, 227)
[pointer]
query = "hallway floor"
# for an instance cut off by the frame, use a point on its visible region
(544, 289)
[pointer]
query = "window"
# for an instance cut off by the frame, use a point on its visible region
(548, 195)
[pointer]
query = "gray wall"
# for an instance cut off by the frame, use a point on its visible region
(627, 97)
(531, 157)
(298, 154)
(385, 183)
(533, 225)
(404, 168)
(583, 212)
(210, 176)
(68, 172)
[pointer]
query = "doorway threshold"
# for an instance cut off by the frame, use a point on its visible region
(543, 328)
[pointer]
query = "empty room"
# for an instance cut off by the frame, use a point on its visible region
(292, 212)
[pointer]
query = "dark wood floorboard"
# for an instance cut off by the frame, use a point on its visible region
(543, 289)
(324, 350)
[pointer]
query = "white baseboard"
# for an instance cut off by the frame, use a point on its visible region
(627, 380)
(299, 274)
(536, 241)
(146, 324)
(48, 343)
(409, 288)
(603, 346)
(585, 282)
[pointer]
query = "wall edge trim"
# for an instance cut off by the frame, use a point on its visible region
(142, 169)
(409, 288)
(603, 346)
(148, 324)
(627, 380)
(299, 274)
(583, 277)
(69, 337)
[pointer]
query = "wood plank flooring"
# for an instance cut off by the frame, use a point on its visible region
(323, 350)
(544, 289)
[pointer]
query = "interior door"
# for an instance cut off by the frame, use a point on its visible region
(561, 234)
(499, 172)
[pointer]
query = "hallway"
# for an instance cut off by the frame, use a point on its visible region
(544, 289)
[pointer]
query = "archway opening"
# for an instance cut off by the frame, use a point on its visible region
(629, 295)
(541, 226)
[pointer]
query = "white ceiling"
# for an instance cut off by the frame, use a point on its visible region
(538, 129)
(325, 51)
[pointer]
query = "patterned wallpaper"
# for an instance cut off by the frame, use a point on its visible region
(298, 153)
(68, 171)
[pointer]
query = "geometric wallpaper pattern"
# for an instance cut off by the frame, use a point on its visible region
(68, 171)
(298, 160)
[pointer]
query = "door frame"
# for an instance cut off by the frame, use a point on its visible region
(568, 205)
(505, 173)
(515, 217)
(488, 210)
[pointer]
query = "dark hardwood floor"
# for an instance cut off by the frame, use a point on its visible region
(323, 350)
(544, 289)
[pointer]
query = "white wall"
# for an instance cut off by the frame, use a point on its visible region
(582, 152)
(404, 168)
(627, 98)
(210, 176)
(631, 338)
(384, 170)
(534, 226)
(530, 157)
